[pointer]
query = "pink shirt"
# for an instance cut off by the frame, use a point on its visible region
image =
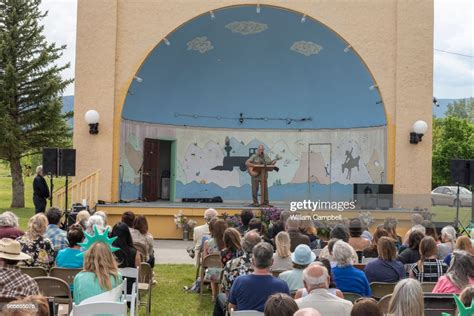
(444, 285)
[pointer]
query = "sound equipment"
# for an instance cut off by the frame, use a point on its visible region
(67, 162)
(216, 199)
(50, 161)
(462, 171)
(369, 196)
(59, 162)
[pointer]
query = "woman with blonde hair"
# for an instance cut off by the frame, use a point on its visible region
(82, 218)
(100, 273)
(407, 299)
(33, 243)
(462, 243)
(282, 256)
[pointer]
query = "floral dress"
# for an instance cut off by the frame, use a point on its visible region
(40, 249)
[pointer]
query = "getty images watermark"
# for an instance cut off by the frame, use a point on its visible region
(314, 206)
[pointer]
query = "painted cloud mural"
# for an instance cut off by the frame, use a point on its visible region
(200, 44)
(306, 48)
(246, 27)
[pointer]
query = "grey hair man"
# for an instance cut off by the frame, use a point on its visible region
(40, 191)
(9, 226)
(202, 231)
(316, 280)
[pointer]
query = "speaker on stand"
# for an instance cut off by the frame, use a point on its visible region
(462, 173)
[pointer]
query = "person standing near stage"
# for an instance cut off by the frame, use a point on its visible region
(259, 158)
(40, 191)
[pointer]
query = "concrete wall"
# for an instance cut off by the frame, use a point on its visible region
(394, 39)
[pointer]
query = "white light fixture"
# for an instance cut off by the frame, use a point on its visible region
(138, 79)
(166, 41)
(258, 8)
(348, 47)
(212, 15)
(92, 118)
(303, 18)
(419, 129)
(373, 87)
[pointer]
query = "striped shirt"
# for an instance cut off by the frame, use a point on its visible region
(432, 270)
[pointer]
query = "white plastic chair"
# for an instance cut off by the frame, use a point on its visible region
(245, 313)
(133, 297)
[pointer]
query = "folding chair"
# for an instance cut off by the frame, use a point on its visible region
(56, 288)
(359, 266)
(132, 275)
(145, 284)
(210, 261)
(142, 250)
(383, 303)
(437, 304)
(34, 271)
(65, 274)
(380, 289)
(245, 313)
(352, 297)
(428, 286)
(115, 308)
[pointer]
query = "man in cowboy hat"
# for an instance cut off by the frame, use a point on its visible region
(13, 282)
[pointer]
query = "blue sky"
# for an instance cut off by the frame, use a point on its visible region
(453, 31)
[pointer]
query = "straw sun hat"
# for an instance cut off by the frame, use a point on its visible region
(11, 250)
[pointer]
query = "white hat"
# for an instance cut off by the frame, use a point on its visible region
(11, 250)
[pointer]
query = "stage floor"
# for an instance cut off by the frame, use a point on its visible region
(168, 204)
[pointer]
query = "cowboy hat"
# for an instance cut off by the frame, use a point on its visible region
(11, 250)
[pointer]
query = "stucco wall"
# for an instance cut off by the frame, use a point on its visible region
(394, 39)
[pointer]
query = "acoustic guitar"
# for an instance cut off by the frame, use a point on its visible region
(255, 173)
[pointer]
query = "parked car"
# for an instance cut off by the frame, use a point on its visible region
(446, 195)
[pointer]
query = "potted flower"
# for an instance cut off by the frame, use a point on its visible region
(185, 223)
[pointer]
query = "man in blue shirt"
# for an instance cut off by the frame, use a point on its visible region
(250, 292)
(53, 232)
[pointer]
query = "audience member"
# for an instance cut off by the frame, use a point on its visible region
(23, 307)
(127, 255)
(428, 268)
(366, 307)
(390, 225)
(355, 231)
(251, 291)
(416, 220)
(430, 230)
(346, 277)
(371, 251)
(215, 245)
(9, 226)
(276, 228)
(412, 253)
(466, 297)
(332, 286)
(407, 299)
(33, 243)
(462, 243)
(202, 231)
(100, 273)
(68, 257)
(301, 258)
(307, 312)
(280, 304)
(339, 232)
(128, 218)
(232, 247)
(316, 281)
(13, 282)
(386, 268)
(448, 240)
(56, 235)
(256, 224)
(82, 217)
(296, 237)
(284, 215)
(104, 219)
(141, 236)
(245, 217)
(459, 275)
(307, 228)
(95, 220)
(282, 256)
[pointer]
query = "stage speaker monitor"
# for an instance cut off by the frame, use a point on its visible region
(462, 171)
(50, 161)
(365, 195)
(67, 162)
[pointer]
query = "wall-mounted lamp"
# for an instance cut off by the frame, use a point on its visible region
(92, 118)
(419, 129)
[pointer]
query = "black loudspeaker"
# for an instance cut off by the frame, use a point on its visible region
(67, 162)
(462, 171)
(50, 161)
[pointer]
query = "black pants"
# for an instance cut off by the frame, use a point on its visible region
(219, 306)
(40, 204)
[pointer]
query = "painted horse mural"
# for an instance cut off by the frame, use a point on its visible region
(350, 163)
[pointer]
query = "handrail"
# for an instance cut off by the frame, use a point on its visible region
(86, 188)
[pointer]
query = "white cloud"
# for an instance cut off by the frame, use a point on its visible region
(246, 27)
(200, 44)
(453, 31)
(306, 48)
(60, 27)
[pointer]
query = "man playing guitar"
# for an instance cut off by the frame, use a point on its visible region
(259, 159)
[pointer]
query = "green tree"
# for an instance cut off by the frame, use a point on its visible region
(462, 109)
(453, 138)
(30, 89)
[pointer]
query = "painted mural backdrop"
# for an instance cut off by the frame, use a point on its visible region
(314, 164)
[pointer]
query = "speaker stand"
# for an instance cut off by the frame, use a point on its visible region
(67, 191)
(51, 186)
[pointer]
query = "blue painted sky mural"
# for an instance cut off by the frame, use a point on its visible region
(278, 72)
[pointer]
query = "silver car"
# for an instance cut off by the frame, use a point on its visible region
(446, 195)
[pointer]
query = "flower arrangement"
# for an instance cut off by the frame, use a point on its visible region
(270, 215)
(183, 222)
(232, 220)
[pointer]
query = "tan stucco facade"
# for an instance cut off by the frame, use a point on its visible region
(394, 38)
